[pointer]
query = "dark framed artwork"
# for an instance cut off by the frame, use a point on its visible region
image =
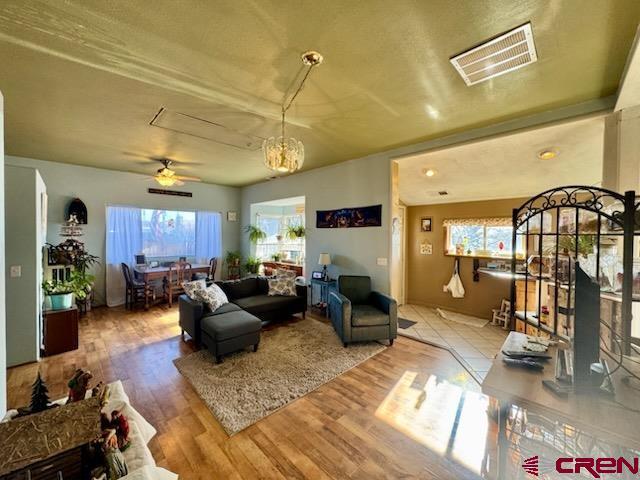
(425, 224)
(316, 275)
(350, 217)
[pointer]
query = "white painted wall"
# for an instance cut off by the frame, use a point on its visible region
(98, 188)
(3, 342)
(23, 248)
(356, 183)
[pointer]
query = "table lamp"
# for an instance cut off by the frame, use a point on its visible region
(324, 260)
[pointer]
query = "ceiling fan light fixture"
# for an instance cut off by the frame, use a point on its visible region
(165, 180)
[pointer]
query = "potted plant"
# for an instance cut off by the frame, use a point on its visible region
(81, 279)
(60, 294)
(233, 258)
(295, 232)
(252, 265)
(276, 257)
(255, 233)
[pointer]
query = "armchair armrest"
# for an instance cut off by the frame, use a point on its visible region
(388, 305)
(340, 313)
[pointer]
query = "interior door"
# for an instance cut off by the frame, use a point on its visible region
(398, 254)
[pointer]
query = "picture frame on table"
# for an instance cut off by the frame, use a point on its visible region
(426, 224)
(317, 275)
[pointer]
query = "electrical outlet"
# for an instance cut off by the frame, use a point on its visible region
(445, 289)
(16, 271)
(382, 261)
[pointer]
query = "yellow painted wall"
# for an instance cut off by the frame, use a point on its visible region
(426, 274)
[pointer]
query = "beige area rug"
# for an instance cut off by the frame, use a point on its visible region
(460, 318)
(292, 361)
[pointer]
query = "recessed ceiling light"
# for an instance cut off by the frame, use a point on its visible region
(429, 172)
(548, 154)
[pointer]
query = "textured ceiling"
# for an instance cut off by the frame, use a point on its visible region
(506, 166)
(82, 79)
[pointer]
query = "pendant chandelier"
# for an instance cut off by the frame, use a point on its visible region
(283, 154)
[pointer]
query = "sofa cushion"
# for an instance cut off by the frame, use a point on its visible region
(367, 316)
(264, 303)
(282, 285)
(230, 325)
(226, 308)
(263, 285)
(355, 288)
(194, 289)
(245, 287)
(213, 296)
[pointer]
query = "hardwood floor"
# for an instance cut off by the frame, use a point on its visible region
(406, 413)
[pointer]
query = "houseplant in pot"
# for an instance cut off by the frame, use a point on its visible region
(233, 258)
(80, 277)
(60, 293)
(252, 265)
(255, 233)
(295, 232)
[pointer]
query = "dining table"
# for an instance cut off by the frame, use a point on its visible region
(148, 274)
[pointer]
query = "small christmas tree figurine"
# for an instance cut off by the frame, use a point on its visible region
(39, 395)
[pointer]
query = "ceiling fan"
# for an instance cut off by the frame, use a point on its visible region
(167, 177)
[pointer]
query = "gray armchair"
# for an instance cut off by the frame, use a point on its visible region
(360, 314)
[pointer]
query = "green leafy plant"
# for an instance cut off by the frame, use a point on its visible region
(233, 258)
(252, 264)
(82, 284)
(255, 233)
(276, 257)
(295, 232)
(567, 245)
(55, 287)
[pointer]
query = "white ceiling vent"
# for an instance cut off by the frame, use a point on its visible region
(510, 51)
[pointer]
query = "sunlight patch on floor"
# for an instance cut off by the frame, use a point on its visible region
(440, 415)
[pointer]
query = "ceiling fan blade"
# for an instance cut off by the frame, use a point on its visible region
(188, 179)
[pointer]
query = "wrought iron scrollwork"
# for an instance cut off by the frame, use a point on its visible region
(604, 202)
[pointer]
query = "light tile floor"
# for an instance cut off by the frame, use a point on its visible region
(475, 346)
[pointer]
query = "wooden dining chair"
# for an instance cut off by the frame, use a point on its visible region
(134, 290)
(213, 266)
(179, 272)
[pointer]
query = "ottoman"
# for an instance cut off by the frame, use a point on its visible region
(229, 332)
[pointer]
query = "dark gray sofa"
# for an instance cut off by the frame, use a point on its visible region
(248, 295)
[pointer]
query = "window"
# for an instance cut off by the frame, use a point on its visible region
(168, 233)
(486, 237)
(277, 241)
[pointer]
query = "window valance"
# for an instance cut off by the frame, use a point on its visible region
(487, 222)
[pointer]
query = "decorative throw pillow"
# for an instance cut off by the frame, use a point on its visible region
(193, 289)
(283, 272)
(214, 297)
(284, 285)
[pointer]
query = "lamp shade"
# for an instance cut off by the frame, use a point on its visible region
(324, 259)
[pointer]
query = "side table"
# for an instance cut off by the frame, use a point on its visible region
(60, 330)
(322, 287)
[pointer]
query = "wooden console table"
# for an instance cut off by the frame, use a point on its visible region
(283, 265)
(615, 420)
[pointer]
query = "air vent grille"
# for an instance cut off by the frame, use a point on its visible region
(505, 53)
